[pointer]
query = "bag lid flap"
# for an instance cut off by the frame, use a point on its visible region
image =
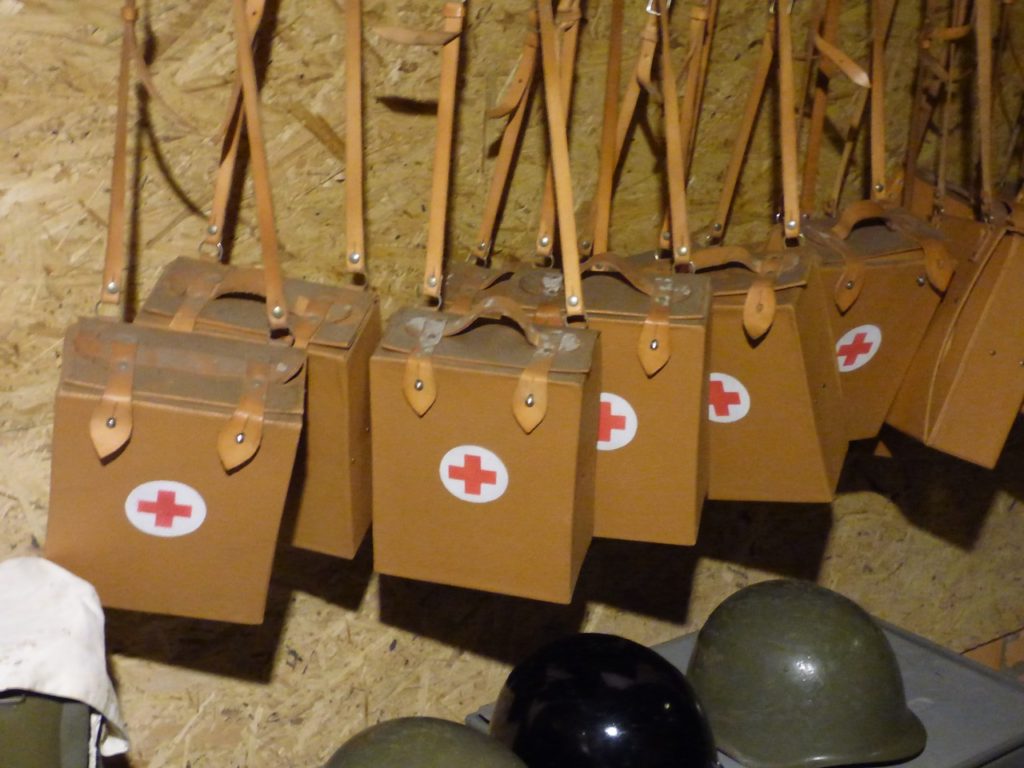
(487, 342)
(232, 300)
(174, 365)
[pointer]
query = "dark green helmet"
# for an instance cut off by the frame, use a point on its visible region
(422, 742)
(794, 675)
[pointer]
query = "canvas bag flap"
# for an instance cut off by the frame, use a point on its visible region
(231, 299)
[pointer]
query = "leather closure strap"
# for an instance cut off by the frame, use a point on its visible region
(559, 144)
(418, 383)
(654, 347)
(241, 435)
(110, 426)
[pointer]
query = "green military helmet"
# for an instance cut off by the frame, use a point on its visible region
(794, 675)
(423, 742)
(39, 731)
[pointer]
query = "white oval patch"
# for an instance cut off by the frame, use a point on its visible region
(165, 508)
(617, 423)
(857, 346)
(473, 474)
(728, 399)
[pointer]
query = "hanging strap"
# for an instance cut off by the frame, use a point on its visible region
(559, 142)
(675, 162)
(787, 122)
(355, 246)
(112, 292)
(567, 22)
(697, 56)
(600, 218)
(746, 132)
(983, 33)
(515, 103)
(827, 30)
(949, 76)
(449, 39)
(213, 243)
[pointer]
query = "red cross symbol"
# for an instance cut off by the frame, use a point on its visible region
(721, 399)
(850, 352)
(165, 508)
(609, 421)
(473, 474)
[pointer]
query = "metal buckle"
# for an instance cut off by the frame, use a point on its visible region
(652, 7)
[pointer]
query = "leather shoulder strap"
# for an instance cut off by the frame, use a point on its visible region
(983, 33)
(787, 119)
(355, 246)
(112, 291)
(559, 144)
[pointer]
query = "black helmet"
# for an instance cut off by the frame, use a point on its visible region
(795, 675)
(598, 701)
(422, 742)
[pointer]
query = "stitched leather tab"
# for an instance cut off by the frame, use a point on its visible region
(418, 383)
(938, 264)
(111, 424)
(240, 437)
(654, 347)
(530, 401)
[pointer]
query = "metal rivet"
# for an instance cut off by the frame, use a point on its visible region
(683, 250)
(529, 401)
(545, 241)
(992, 353)
(213, 229)
(791, 224)
(432, 281)
(574, 301)
(717, 227)
(849, 285)
(282, 367)
(879, 187)
(111, 422)
(666, 235)
(354, 257)
(585, 245)
(418, 385)
(654, 344)
(482, 245)
(112, 287)
(277, 312)
(921, 280)
(240, 438)
(122, 366)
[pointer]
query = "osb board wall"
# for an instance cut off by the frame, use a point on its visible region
(922, 541)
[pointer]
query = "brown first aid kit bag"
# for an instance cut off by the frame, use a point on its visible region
(773, 386)
(484, 447)
(964, 387)
(172, 452)
(338, 327)
(887, 268)
(652, 425)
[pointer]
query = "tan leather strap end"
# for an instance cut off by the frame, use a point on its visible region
(530, 400)
(418, 383)
(654, 347)
(851, 281)
(760, 303)
(241, 435)
(853, 71)
(110, 427)
(939, 265)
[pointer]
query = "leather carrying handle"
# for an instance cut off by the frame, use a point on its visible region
(496, 307)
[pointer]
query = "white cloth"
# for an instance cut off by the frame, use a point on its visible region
(52, 642)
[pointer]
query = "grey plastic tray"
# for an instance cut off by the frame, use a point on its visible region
(974, 716)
